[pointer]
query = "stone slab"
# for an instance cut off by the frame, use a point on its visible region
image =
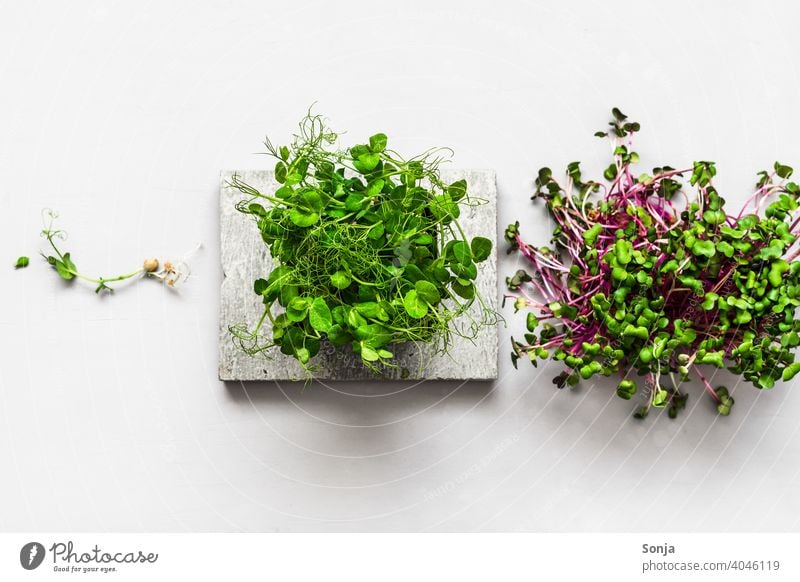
(245, 258)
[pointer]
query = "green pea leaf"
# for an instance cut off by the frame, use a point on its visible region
(355, 202)
(444, 208)
(297, 309)
(457, 190)
(319, 315)
(260, 286)
(257, 210)
(22, 262)
(367, 162)
(341, 280)
(427, 292)
(312, 200)
(414, 305)
(462, 253)
(286, 293)
(465, 290)
(292, 340)
(374, 335)
(469, 271)
(481, 248)
(293, 178)
(302, 217)
(302, 354)
(68, 262)
(63, 270)
(280, 172)
(368, 354)
(339, 336)
(375, 187)
(278, 278)
(377, 143)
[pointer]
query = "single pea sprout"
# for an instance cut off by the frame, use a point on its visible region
(644, 280)
(171, 273)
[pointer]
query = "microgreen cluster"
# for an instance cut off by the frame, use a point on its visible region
(652, 283)
(368, 251)
(169, 272)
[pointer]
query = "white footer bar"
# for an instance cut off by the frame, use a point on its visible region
(389, 557)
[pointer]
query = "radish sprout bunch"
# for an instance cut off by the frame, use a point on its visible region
(651, 281)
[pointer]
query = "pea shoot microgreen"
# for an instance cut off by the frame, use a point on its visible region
(171, 273)
(368, 251)
(642, 280)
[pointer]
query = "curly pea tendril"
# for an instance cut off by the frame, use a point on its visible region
(368, 249)
(642, 280)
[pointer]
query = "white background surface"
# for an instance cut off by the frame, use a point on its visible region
(121, 115)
